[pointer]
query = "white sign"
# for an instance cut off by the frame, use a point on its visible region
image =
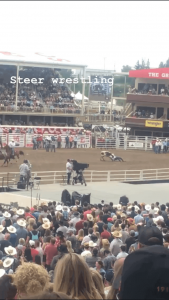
(135, 145)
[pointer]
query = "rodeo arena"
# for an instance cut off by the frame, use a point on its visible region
(83, 182)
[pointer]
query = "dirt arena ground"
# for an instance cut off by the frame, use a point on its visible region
(133, 160)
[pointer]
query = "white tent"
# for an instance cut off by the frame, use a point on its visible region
(78, 96)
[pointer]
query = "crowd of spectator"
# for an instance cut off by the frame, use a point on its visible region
(87, 251)
(141, 113)
(149, 89)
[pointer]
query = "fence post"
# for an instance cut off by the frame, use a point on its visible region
(141, 175)
(108, 176)
(91, 176)
(146, 143)
(125, 142)
(157, 174)
(54, 177)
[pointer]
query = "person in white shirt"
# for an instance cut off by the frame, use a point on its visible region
(122, 253)
(68, 170)
(24, 169)
(12, 146)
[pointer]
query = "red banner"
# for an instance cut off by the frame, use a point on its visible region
(160, 73)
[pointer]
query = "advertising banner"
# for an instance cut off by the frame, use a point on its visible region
(151, 123)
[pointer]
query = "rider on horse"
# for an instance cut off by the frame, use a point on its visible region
(12, 146)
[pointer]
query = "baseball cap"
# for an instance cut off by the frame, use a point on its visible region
(150, 236)
(110, 220)
(144, 271)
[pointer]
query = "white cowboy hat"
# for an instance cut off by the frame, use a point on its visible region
(147, 207)
(116, 234)
(32, 243)
(59, 207)
(6, 215)
(86, 253)
(92, 244)
(14, 209)
(21, 222)
(130, 206)
(10, 250)
(1, 228)
(11, 229)
(89, 217)
(136, 208)
(46, 225)
(8, 262)
(118, 206)
(45, 220)
(20, 212)
(2, 272)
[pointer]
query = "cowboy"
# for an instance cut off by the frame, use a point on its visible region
(67, 141)
(116, 243)
(12, 146)
(53, 143)
(59, 139)
(34, 141)
(75, 141)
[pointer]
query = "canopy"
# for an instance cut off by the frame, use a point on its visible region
(37, 59)
(160, 73)
(78, 96)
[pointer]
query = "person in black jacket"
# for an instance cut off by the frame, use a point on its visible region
(123, 201)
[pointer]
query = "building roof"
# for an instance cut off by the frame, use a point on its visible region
(37, 59)
(159, 73)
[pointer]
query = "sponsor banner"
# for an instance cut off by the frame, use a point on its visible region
(160, 73)
(151, 123)
(135, 145)
(29, 143)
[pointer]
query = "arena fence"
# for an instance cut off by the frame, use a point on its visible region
(25, 139)
(59, 177)
(125, 142)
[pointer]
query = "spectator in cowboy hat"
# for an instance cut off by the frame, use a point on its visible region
(10, 252)
(21, 232)
(86, 251)
(2, 236)
(13, 235)
(7, 264)
(116, 243)
(7, 222)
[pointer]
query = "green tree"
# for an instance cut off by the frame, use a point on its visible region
(137, 66)
(161, 65)
(143, 65)
(148, 64)
(167, 63)
(126, 68)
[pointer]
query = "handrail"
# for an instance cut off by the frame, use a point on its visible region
(52, 177)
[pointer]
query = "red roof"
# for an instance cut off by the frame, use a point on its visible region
(160, 73)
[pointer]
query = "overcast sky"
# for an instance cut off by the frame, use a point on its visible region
(87, 32)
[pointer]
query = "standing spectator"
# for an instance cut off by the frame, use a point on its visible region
(21, 232)
(34, 251)
(123, 252)
(105, 234)
(50, 252)
(99, 268)
(72, 239)
(68, 170)
(70, 141)
(59, 139)
(139, 217)
(91, 260)
(39, 249)
(13, 235)
(124, 233)
(2, 236)
(130, 240)
(79, 224)
(5, 243)
(116, 243)
(109, 260)
(75, 141)
(100, 224)
(67, 142)
(62, 228)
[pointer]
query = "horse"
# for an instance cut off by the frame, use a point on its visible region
(6, 154)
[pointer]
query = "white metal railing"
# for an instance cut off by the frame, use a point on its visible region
(58, 177)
